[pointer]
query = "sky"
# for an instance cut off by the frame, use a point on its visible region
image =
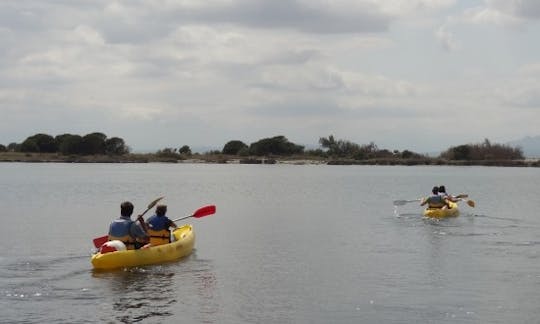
(422, 75)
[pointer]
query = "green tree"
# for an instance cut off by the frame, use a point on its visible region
(168, 152)
(3, 148)
(14, 147)
(29, 145)
(461, 152)
(70, 144)
(186, 150)
(59, 139)
(93, 143)
(39, 143)
(342, 148)
(116, 146)
(406, 154)
(233, 147)
(278, 145)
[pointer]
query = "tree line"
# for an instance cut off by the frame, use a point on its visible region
(67, 144)
(279, 146)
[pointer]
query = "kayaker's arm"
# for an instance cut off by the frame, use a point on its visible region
(446, 203)
(139, 232)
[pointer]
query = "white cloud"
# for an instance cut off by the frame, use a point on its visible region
(447, 39)
(88, 35)
(532, 69)
(489, 15)
(504, 12)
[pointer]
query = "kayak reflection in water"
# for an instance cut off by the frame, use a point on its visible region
(158, 226)
(435, 201)
(126, 230)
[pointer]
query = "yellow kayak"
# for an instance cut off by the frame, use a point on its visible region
(453, 211)
(182, 246)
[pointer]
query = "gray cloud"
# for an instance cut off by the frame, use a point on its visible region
(297, 109)
(138, 21)
(523, 8)
(298, 15)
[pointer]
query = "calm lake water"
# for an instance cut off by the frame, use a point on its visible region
(288, 244)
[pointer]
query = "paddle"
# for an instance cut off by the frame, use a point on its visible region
(403, 202)
(469, 202)
(201, 212)
(460, 196)
(99, 241)
(140, 217)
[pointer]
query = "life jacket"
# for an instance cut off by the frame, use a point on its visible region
(159, 237)
(436, 202)
(120, 229)
(158, 230)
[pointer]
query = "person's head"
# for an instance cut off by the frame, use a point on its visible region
(442, 189)
(161, 210)
(126, 208)
(435, 190)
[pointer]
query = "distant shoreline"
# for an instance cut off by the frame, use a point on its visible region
(226, 159)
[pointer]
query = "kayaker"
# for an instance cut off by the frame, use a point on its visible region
(435, 201)
(442, 192)
(158, 226)
(126, 230)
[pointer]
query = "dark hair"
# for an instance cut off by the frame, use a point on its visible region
(435, 190)
(442, 189)
(126, 208)
(161, 210)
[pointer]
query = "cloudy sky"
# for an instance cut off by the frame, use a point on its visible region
(405, 74)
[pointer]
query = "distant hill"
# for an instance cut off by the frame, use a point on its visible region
(529, 145)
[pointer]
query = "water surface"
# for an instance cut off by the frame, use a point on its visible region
(289, 244)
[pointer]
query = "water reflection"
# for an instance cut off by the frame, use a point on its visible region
(206, 282)
(140, 293)
(186, 288)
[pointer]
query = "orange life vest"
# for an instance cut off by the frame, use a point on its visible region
(159, 237)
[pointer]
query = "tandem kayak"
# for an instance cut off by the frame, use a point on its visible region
(184, 239)
(453, 211)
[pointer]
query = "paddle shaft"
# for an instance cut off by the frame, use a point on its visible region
(140, 217)
(175, 220)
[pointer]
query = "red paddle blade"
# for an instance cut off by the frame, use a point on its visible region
(99, 241)
(205, 211)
